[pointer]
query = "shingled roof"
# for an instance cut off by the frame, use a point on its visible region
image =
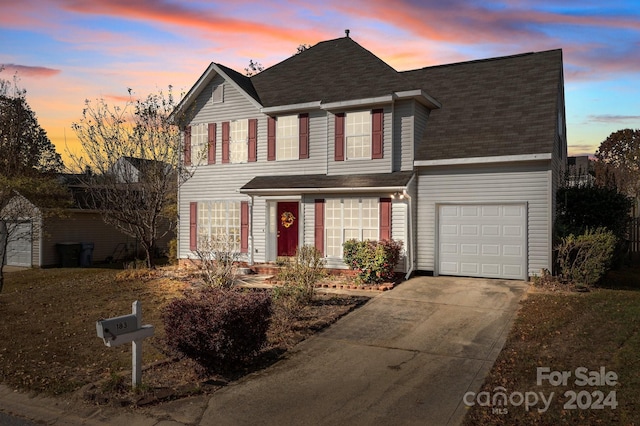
(330, 71)
(493, 107)
(329, 182)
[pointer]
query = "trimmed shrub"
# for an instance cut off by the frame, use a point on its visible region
(375, 261)
(585, 259)
(218, 328)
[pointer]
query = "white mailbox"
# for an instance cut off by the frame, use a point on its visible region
(127, 329)
(113, 327)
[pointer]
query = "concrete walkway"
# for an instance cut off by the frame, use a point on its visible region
(407, 357)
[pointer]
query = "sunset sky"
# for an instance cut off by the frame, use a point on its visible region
(66, 51)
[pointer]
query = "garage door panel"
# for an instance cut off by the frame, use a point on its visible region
(449, 268)
(483, 240)
(469, 230)
(19, 246)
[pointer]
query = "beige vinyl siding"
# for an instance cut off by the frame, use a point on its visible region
(403, 125)
(482, 185)
(82, 227)
(347, 167)
(421, 116)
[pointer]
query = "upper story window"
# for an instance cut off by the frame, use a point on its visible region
(219, 224)
(199, 141)
(287, 138)
(218, 94)
(358, 134)
(238, 141)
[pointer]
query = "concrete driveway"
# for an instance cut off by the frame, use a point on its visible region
(406, 357)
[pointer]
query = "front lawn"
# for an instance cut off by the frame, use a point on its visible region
(48, 339)
(580, 336)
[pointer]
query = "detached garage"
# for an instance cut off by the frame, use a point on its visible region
(19, 247)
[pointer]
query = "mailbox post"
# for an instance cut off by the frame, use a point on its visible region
(124, 329)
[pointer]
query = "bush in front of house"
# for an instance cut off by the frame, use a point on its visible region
(300, 275)
(584, 259)
(218, 328)
(375, 261)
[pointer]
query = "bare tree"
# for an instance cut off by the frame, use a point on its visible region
(253, 68)
(134, 154)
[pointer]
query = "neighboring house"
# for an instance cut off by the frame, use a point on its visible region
(460, 162)
(38, 241)
(579, 171)
(133, 169)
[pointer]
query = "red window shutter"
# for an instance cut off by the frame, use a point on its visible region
(225, 141)
(385, 218)
(319, 225)
(211, 155)
(377, 133)
(244, 227)
(271, 139)
(187, 146)
(193, 226)
(303, 125)
(339, 133)
(253, 140)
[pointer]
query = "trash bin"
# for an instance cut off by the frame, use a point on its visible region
(69, 254)
(86, 255)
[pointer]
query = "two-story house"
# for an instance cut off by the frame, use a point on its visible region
(460, 162)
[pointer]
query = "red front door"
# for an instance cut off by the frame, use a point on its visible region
(287, 228)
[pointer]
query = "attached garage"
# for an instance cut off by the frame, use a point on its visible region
(19, 247)
(482, 240)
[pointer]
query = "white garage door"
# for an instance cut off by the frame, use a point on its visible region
(19, 246)
(483, 240)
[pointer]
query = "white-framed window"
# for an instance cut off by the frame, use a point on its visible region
(217, 96)
(238, 141)
(287, 138)
(350, 218)
(199, 142)
(220, 220)
(358, 134)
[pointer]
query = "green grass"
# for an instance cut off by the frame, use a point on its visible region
(564, 331)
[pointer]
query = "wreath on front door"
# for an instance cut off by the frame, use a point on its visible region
(287, 219)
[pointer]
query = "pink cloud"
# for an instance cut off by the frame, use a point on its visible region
(29, 71)
(185, 17)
